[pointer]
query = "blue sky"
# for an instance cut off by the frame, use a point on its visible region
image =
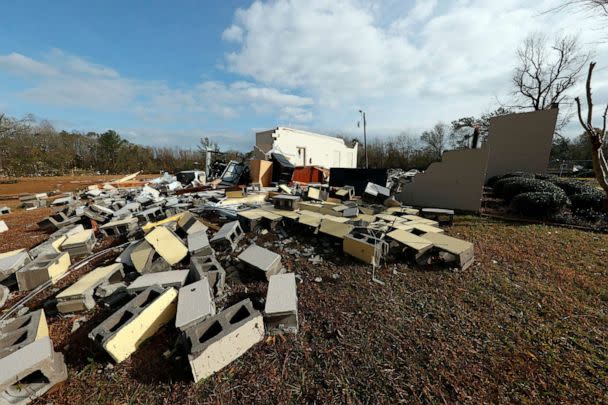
(168, 73)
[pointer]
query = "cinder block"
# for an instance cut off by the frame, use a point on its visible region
(79, 296)
(221, 339)
(167, 244)
(286, 202)
(364, 247)
(57, 221)
(5, 210)
(443, 216)
(142, 255)
(30, 372)
(198, 244)
(120, 227)
(80, 244)
(194, 304)
(228, 236)
(4, 294)
(345, 194)
(190, 224)
(250, 220)
(410, 240)
(375, 193)
(281, 310)
(44, 268)
(317, 194)
(151, 214)
(124, 331)
(3, 227)
(335, 229)
(452, 250)
(263, 260)
(18, 332)
(208, 267)
(174, 278)
(12, 261)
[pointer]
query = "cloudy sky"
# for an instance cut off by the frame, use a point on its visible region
(169, 72)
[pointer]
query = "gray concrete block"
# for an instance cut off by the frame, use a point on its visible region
(42, 269)
(175, 278)
(281, 310)
(194, 304)
(142, 255)
(119, 227)
(263, 260)
(12, 261)
(30, 372)
(198, 244)
(57, 221)
(18, 332)
(5, 210)
(208, 267)
(221, 339)
(443, 216)
(228, 236)
(4, 294)
(79, 244)
(190, 224)
(79, 296)
(123, 332)
(286, 202)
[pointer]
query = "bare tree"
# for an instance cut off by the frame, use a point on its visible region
(596, 135)
(545, 72)
(593, 6)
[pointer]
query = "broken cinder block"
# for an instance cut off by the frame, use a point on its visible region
(208, 267)
(124, 331)
(452, 250)
(30, 371)
(281, 310)
(364, 247)
(221, 339)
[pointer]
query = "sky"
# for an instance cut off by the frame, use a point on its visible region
(167, 73)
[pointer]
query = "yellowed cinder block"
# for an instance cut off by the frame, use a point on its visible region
(336, 229)
(410, 240)
(151, 225)
(167, 244)
(128, 339)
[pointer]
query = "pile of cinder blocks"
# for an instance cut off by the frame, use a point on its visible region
(29, 366)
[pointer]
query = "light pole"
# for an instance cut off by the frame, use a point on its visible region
(364, 137)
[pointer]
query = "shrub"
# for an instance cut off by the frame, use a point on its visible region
(539, 204)
(571, 186)
(525, 185)
(492, 180)
(545, 176)
(500, 184)
(584, 201)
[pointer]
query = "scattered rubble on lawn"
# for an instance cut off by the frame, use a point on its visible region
(180, 238)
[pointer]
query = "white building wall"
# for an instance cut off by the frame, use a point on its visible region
(304, 148)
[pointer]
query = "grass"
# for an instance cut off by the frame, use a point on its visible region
(526, 323)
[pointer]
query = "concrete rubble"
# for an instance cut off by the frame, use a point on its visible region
(180, 247)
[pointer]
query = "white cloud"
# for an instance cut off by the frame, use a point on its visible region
(22, 65)
(234, 33)
(407, 67)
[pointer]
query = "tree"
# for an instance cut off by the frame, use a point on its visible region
(110, 144)
(435, 139)
(596, 135)
(545, 73)
(473, 129)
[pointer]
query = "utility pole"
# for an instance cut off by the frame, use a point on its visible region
(365, 137)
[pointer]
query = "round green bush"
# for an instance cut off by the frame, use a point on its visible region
(539, 204)
(492, 180)
(525, 185)
(592, 200)
(572, 186)
(500, 184)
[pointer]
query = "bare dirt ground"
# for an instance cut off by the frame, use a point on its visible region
(527, 323)
(30, 185)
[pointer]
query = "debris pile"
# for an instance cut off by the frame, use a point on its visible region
(177, 245)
